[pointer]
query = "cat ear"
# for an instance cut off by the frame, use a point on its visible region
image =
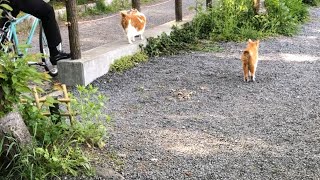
(250, 41)
(123, 13)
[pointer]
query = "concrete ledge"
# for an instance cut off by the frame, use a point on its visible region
(96, 62)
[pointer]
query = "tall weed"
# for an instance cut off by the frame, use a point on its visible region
(58, 146)
(312, 2)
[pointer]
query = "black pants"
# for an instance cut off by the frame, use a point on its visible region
(45, 13)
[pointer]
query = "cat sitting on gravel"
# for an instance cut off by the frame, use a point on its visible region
(133, 23)
(249, 59)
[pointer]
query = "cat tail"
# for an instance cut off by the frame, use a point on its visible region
(246, 55)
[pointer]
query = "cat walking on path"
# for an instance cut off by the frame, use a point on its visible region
(249, 59)
(133, 23)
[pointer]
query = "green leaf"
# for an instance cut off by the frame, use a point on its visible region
(3, 76)
(6, 89)
(14, 80)
(10, 147)
(54, 159)
(6, 6)
(22, 89)
(1, 144)
(24, 46)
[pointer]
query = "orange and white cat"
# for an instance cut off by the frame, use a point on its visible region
(249, 59)
(133, 23)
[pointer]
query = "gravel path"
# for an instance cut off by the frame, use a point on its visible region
(192, 116)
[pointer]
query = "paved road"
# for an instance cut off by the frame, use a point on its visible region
(107, 29)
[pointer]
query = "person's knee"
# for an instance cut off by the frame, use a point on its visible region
(47, 13)
(50, 10)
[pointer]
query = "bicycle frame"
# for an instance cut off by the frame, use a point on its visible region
(12, 31)
(8, 33)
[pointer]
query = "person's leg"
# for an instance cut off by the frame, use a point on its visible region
(15, 11)
(45, 13)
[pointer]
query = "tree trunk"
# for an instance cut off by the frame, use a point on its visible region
(259, 7)
(178, 8)
(72, 18)
(209, 4)
(13, 124)
(136, 4)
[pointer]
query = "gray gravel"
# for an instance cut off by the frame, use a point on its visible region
(192, 116)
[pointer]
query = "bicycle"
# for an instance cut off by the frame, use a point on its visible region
(8, 34)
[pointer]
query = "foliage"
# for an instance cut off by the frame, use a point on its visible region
(102, 8)
(8, 150)
(128, 62)
(15, 76)
(230, 20)
(45, 162)
(115, 6)
(58, 146)
(90, 127)
(285, 16)
(180, 39)
(312, 2)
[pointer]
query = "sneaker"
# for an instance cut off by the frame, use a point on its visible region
(59, 56)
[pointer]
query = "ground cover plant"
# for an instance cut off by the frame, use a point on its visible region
(58, 146)
(312, 2)
(128, 62)
(230, 20)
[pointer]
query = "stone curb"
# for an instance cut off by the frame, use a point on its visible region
(96, 62)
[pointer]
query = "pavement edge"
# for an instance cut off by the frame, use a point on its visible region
(97, 61)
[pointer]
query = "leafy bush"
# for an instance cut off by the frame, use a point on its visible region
(58, 146)
(102, 8)
(231, 20)
(180, 39)
(285, 16)
(312, 2)
(90, 127)
(15, 76)
(128, 62)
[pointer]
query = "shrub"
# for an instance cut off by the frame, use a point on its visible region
(231, 20)
(312, 2)
(128, 62)
(15, 76)
(58, 146)
(285, 16)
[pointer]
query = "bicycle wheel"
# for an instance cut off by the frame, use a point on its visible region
(44, 49)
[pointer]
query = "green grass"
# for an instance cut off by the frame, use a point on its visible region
(128, 62)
